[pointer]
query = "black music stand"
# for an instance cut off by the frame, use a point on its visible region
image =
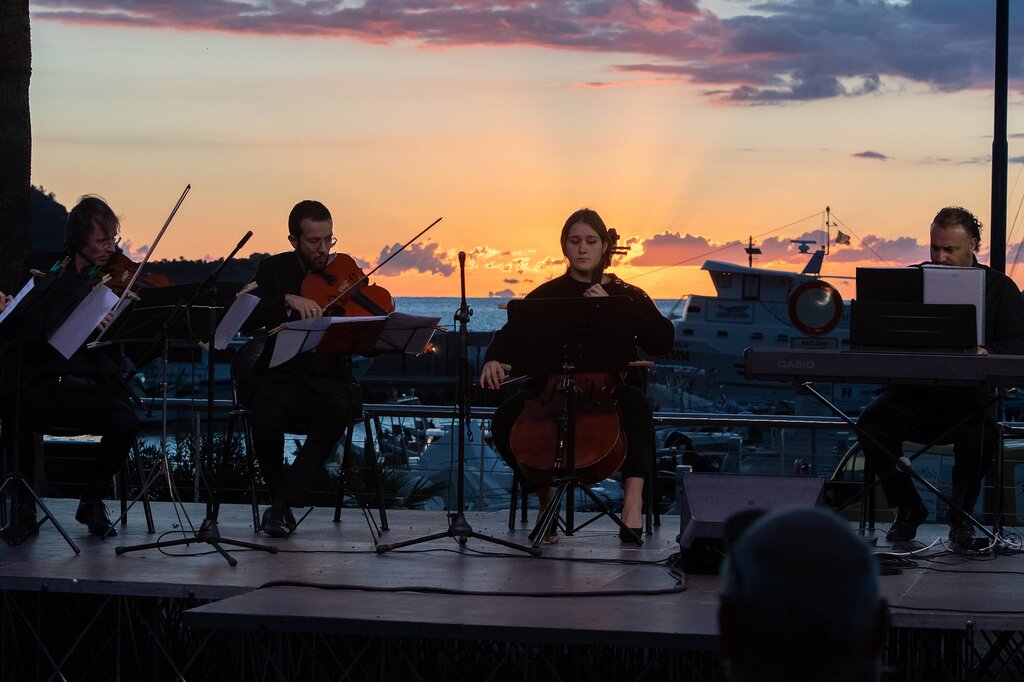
(52, 299)
(206, 294)
(458, 526)
(367, 336)
(11, 416)
(581, 335)
(182, 313)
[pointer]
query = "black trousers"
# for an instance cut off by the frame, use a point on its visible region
(922, 414)
(637, 424)
(83, 408)
(292, 407)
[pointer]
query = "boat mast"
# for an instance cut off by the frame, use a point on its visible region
(751, 251)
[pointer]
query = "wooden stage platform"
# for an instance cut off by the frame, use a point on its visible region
(328, 606)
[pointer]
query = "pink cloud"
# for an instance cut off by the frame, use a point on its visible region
(668, 249)
(671, 248)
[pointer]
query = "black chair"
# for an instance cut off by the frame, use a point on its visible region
(134, 461)
(242, 370)
(369, 460)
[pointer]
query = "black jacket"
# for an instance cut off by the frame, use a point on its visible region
(277, 276)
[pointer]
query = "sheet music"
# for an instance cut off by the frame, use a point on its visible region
(233, 319)
(952, 284)
(17, 299)
(401, 332)
(408, 333)
(83, 321)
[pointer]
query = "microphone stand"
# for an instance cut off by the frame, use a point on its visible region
(208, 531)
(458, 526)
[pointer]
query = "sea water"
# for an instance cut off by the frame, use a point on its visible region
(488, 313)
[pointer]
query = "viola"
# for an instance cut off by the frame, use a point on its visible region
(538, 440)
(121, 271)
(342, 289)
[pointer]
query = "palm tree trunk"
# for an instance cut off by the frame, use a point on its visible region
(16, 140)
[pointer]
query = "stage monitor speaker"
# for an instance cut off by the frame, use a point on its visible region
(707, 501)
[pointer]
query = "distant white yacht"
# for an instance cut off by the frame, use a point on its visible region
(750, 309)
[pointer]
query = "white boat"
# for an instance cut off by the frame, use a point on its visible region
(750, 309)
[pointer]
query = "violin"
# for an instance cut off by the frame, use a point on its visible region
(342, 289)
(538, 439)
(121, 270)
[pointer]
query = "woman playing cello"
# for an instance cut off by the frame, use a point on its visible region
(586, 244)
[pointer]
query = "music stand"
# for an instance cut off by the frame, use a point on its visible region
(159, 316)
(42, 307)
(581, 335)
(208, 532)
(459, 528)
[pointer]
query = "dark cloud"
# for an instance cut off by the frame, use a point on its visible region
(504, 293)
(781, 50)
(871, 155)
(416, 257)
(512, 281)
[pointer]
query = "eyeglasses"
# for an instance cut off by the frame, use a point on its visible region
(108, 243)
(317, 243)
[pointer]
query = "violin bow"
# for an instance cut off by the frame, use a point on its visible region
(145, 259)
(380, 265)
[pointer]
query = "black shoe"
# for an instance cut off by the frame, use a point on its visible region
(908, 518)
(94, 515)
(289, 520)
(630, 535)
(961, 532)
(21, 524)
(274, 523)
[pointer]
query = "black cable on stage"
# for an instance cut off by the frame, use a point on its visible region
(425, 589)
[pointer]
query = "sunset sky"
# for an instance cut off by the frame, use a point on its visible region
(688, 124)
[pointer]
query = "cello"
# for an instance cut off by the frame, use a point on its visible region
(539, 437)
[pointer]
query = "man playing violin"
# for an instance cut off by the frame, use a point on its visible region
(586, 244)
(84, 393)
(312, 393)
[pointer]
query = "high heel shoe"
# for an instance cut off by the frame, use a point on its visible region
(630, 535)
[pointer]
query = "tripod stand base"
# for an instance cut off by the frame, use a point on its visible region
(548, 519)
(208, 533)
(12, 534)
(461, 531)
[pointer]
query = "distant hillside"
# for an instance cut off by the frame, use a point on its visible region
(50, 217)
(183, 271)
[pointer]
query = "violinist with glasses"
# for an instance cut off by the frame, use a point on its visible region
(85, 393)
(314, 390)
(588, 244)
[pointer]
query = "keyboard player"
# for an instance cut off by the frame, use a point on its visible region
(922, 413)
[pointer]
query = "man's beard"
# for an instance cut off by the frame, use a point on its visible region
(311, 263)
